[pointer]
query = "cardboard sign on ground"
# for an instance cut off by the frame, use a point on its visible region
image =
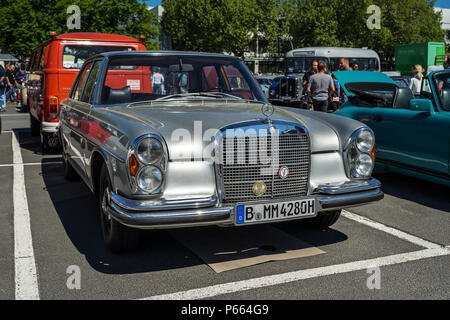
(226, 249)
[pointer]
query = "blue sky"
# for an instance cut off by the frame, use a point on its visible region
(443, 3)
(153, 3)
(439, 3)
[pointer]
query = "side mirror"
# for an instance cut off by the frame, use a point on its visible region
(421, 105)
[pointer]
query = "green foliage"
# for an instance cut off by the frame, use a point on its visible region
(219, 25)
(24, 24)
(228, 25)
(343, 23)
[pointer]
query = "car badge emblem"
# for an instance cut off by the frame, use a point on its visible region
(267, 110)
(259, 188)
(283, 172)
(272, 130)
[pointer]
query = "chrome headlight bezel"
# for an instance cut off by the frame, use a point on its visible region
(159, 162)
(365, 140)
(142, 158)
(357, 152)
(155, 173)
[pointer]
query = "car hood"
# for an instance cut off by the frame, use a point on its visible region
(204, 119)
(364, 80)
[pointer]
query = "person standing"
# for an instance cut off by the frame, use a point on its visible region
(320, 87)
(12, 83)
(158, 82)
(314, 65)
(416, 81)
(344, 64)
(3, 84)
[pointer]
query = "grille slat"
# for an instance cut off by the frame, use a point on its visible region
(249, 160)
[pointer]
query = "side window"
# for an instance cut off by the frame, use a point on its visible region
(425, 92)
(90, 83)
(41, 59)
(30, 62)
(76, 94)
(37, 54)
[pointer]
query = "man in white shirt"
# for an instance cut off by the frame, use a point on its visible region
(158, 82)
(416, 81)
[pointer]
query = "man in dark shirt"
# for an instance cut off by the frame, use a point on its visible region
(12, 83)
(314, 66)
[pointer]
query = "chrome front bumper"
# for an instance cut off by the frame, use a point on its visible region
(162, 214)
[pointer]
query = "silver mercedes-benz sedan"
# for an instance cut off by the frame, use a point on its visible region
(183, 139)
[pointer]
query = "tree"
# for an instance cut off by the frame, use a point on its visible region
(219, 25)
(27, 23)
(344, 23)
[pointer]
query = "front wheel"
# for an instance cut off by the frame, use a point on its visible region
(325, 219)
(117, 237)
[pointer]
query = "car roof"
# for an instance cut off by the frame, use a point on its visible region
(95, 36)
(161, 53)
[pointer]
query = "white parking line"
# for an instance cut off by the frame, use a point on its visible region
(25, 265)
(33, 164)
(396, 233)
(220, 289)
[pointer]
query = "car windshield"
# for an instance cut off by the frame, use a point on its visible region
(442, 83)
(137, 78)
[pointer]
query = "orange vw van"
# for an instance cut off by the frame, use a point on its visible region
(52, 68)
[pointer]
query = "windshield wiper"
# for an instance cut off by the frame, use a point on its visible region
(199, 94)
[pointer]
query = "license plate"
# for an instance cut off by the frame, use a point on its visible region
(275, 211)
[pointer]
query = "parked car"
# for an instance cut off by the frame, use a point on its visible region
(413, 135)
(52, 68)
(215, 155)
(286, 91)
(265, 83)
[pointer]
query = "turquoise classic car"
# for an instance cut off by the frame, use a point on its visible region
(412, 133)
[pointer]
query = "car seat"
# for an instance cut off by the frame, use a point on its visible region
(402, 98)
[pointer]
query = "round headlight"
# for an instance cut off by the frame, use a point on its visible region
(363, 165)
(149, 151)
(149, 178)
(365, 141)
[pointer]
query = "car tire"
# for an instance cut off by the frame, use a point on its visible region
(325, 219)
(116, 237)
(35, 126)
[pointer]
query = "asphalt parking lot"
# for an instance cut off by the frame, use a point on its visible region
(48, 224)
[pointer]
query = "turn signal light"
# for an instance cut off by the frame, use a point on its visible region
(134, 165)
(373, 152)
(52, 33)
(53, 107)
(142, 37)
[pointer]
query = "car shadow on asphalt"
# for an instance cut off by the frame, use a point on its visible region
(33, 143)
(426, 193)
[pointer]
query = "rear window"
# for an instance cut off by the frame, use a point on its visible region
(75, 55)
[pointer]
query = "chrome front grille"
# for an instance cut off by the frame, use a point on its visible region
(287, 87)
(238, 177)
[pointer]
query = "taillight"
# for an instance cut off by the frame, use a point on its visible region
(53, 107)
